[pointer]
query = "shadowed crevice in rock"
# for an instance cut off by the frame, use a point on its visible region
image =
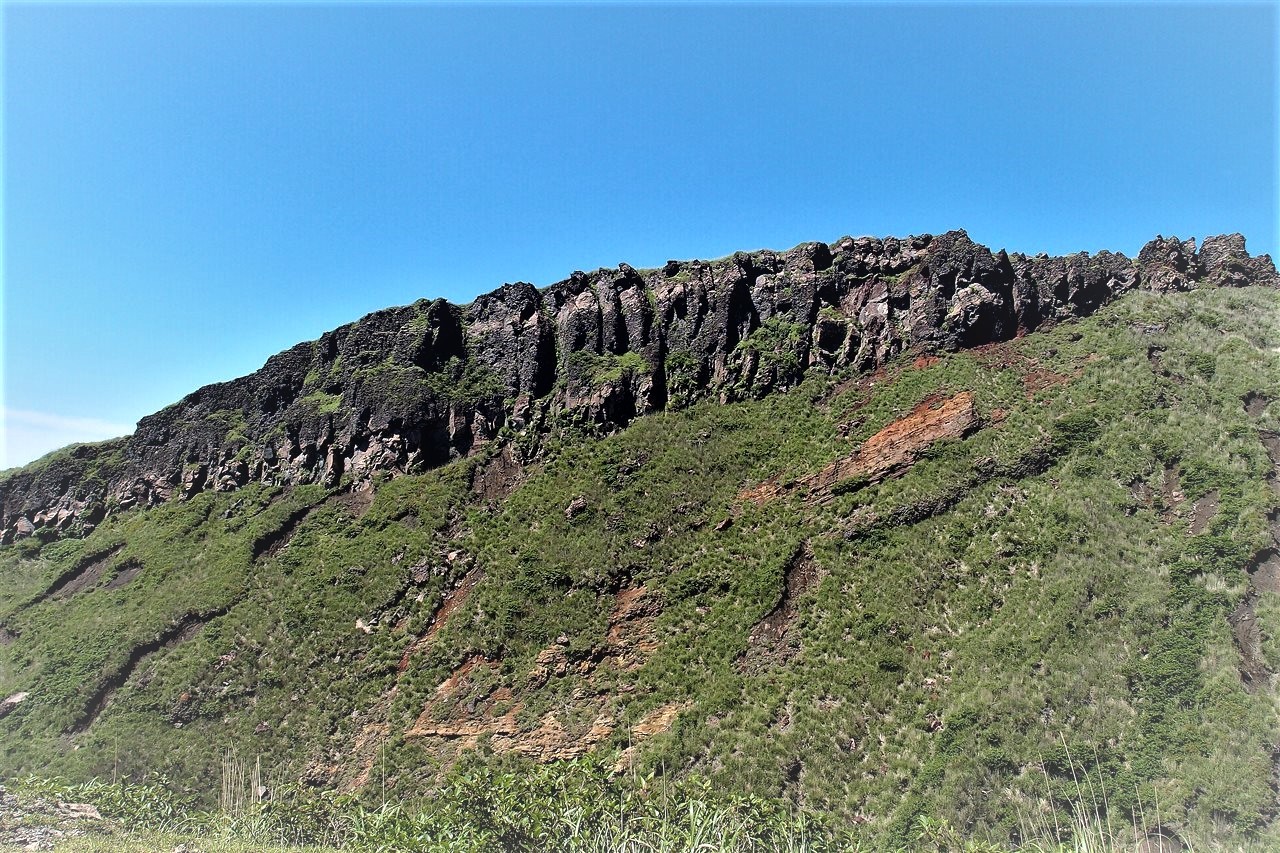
(1255, 403)
(178, 632)
(1030, 463)
(771, 641)
(269, 545)
(84, 574)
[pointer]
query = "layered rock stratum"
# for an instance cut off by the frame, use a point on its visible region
(409, 388)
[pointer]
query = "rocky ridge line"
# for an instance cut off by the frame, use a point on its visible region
(410, 388)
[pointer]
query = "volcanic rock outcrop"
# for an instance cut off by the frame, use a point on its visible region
(410, 388)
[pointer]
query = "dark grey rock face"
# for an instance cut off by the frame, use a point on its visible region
(410, 388)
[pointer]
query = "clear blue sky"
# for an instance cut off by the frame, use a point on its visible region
(189, 189)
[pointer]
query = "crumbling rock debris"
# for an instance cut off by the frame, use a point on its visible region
(656, 722)
(39, 824)
(410, 388)
(575, 508)
(12, 702)
(459, 713)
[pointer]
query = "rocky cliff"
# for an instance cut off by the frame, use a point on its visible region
(410, 388)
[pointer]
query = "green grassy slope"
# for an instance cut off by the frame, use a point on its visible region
(1041, 605)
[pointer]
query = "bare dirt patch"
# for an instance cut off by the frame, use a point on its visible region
(461, 712)
(656, 722)
(764, 492)
(124, 575)
(888, 453)
(1000, 355)
(84, 574)
(1254, 671)
(269, 544)
(1141, 492)
(629, 640)
(1035, 377)
(1155, 359)
(1255, 403)
(1271, 442)
(1038, 379)
(84, 580)
(1202, 512)
(1264, 575)
(1265, 572)
(551, 741)
(498, 477)
(375, 727)
(893, 449)
(769, 643)
(446, 716)
(356, 501)
(1171, 492)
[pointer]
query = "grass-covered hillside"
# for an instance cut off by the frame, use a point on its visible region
(968, 588)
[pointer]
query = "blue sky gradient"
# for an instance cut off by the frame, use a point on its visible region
(189, 189)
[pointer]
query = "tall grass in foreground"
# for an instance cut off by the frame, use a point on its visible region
(579, 809)
(574, 809)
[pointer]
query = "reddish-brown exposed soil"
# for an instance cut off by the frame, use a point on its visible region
(453, 599)
(888, 453)
(892, 450)
(764, 492)
(656, 722)
(1035, 378)
(459, 713)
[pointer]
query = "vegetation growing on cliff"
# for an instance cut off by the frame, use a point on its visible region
(1052, 598)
